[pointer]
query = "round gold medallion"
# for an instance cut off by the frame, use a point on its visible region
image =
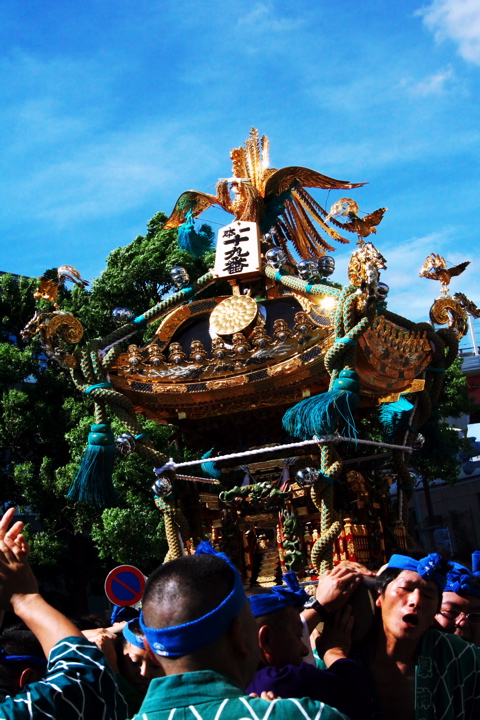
(233, 315)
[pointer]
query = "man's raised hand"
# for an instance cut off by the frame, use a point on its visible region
(335, 587)
(16, 576)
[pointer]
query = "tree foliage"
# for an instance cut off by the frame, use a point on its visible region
(439, 456)
(44, 421)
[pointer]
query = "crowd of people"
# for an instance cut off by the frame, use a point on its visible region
(401, 643)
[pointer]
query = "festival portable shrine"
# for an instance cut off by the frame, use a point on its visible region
(302, 399)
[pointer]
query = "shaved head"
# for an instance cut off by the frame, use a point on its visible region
(185, 589)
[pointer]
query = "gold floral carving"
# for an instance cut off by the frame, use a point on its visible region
(233, 315)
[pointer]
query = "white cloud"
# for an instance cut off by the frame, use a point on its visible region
(264, 17)
(110, 174)
(66, 158)
(435, 84)
(457, 20)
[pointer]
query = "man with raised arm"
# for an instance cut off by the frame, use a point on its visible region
(79, 684)
(198, 625)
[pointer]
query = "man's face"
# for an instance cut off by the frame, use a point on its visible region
(408, 606)
(138, 668)
(285, 644)
(452, 616)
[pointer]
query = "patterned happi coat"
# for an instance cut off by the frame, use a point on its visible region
(79, 685)
(447, 683)
(207, 695)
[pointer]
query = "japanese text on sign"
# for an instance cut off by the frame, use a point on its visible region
(238, 250)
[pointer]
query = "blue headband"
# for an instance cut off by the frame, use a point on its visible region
(121, 613)
(132, 637)
(11, 659)
(280, 597)
(197, 634)
(461, 580)
(428, 567)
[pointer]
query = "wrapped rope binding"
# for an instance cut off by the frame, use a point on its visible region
(326, 413)
(93, 483)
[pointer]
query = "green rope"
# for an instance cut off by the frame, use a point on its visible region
(157, 310)
(295, 283)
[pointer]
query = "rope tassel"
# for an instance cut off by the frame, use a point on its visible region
(193, 242)
(394, 415)
(322, 414)
(93, 483)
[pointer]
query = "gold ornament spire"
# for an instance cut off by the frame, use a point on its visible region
(277, 201)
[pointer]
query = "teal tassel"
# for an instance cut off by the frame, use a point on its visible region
(394, 416)
(193, 242)
(210, 468)
(93, 482)
(326, 413)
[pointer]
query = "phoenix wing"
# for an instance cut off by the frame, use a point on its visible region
(192, 200)
(288, 177)
(291, 210)
(458, 269)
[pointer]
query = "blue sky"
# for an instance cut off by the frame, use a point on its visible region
(109, 110)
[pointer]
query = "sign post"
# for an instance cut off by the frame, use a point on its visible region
(124, 585)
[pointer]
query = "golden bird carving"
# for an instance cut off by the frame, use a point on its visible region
(363, 226)
(435, 268)
(275, 199)
(48, 287)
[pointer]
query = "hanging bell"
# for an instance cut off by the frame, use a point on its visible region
(125, 444)
(419, 442)
(122, 315)
(162, 486)
(180, 277)
(326, 266)
(382, 290)
(307, 270)
(276, 257)
(306, 476)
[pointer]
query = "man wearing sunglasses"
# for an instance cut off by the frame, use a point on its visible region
(460, 609)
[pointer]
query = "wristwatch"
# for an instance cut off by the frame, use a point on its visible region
(313, 604)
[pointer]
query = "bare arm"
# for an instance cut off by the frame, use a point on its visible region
(335, 641)
(13, 533)
(333, 591)
(18, 587)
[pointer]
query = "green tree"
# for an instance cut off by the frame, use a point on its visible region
(439, 456)
(44, 421)
(137, 276)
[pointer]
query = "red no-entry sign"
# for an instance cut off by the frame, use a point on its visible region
(124, 585)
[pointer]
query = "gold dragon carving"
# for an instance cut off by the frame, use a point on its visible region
(54, 329)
